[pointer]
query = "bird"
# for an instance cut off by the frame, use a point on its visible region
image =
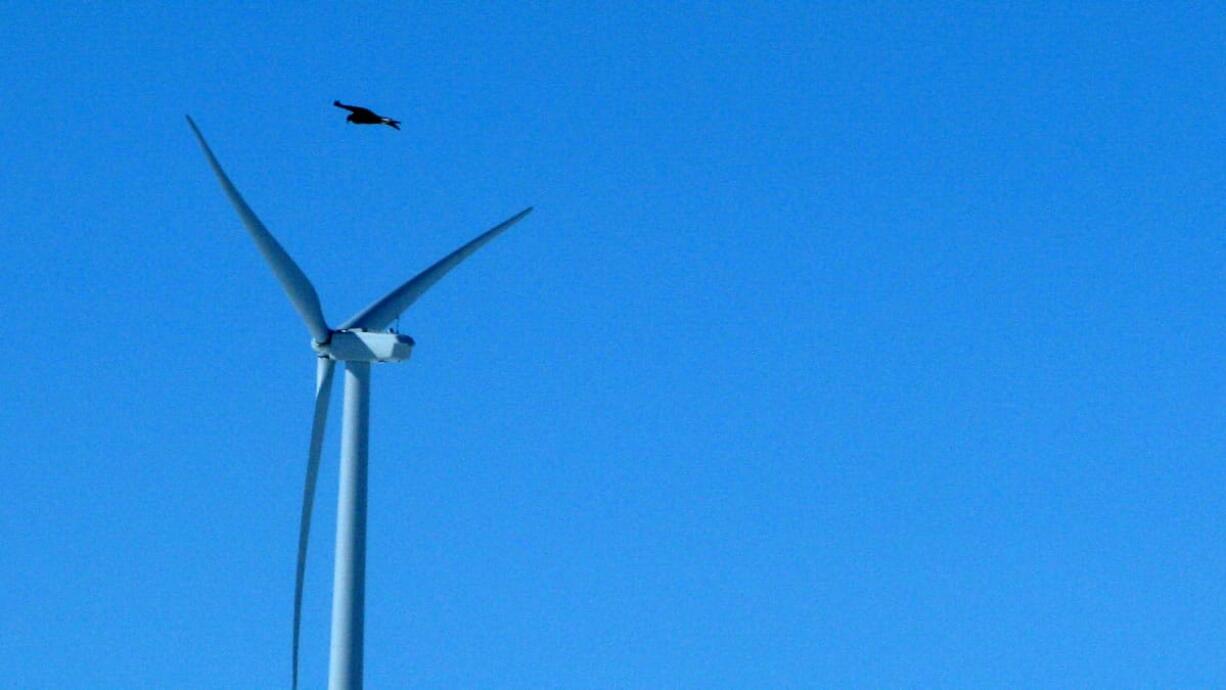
(363, 116)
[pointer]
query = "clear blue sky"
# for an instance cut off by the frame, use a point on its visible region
(849, 346)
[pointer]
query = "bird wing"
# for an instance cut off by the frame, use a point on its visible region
(355, 109)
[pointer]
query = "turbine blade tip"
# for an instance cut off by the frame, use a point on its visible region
(195, 130)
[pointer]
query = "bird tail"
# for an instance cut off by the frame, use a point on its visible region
(394, 124)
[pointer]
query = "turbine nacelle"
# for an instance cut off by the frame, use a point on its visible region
(365, 346)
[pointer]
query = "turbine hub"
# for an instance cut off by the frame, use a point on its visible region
(365, 346)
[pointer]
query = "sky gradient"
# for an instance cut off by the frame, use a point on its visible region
(849, 345)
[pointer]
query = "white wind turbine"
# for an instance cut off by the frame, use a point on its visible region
(357, 342)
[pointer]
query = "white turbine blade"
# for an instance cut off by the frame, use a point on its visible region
(385, 310)
(293, 280)
(323, 387)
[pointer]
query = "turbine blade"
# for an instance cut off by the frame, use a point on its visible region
(323, 387)
(385, 310)
(297, 286)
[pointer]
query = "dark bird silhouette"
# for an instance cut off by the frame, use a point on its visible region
(362, 116)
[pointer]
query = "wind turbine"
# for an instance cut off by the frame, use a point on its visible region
(358, 342)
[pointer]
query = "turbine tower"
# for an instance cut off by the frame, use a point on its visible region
(358, 342)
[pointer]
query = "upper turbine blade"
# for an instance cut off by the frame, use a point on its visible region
(385, 310)
(293, 280)
(323, 387)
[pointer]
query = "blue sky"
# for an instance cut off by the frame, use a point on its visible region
(850, 345)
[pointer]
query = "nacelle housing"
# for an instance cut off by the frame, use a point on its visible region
(364, 346)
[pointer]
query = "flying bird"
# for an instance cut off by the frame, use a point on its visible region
(363, 116)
